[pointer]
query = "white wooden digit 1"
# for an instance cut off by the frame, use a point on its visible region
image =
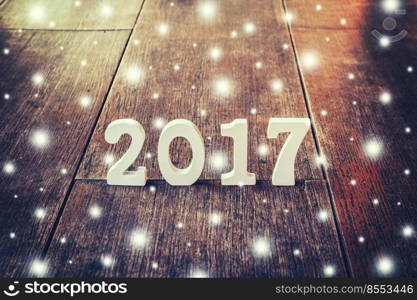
(117, 174)
(284, 168)
(238, 130)
(173, 175)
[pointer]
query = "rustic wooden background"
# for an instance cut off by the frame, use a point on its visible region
(88, 48)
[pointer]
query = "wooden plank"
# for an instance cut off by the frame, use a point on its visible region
(69, 15)
(349, 14)
(189, 40)
(288, 220)
(45, 125)
(367, 141)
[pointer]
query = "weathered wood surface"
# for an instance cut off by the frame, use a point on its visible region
(341, 109)
(157, 56)
(126, 208)
(288, 219)
(356, 117)
(44, 128)
(330, 14)
(69, 15)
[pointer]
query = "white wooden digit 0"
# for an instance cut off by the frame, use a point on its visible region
(117, 174)
(186, 129)
(238, 130)
(284, 168)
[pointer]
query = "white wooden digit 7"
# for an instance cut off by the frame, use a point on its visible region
(173, 175)
(117, 174)
(284, 168)
(238, 130)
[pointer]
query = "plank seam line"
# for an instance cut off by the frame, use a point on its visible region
(25, 46)
(73, 180)
(66, 30)
(297, 183)
(339, 231)
(330, 28)
(3, 3)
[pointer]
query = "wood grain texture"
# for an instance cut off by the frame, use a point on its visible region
(356, 116)
(59, 15)
(288, 220)
(157, 56)
(49, 114)
(354, 12)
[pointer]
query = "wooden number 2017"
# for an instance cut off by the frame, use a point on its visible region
(283, 174)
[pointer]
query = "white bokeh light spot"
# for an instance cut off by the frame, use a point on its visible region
(310, 60)
(40, 138)
(321, 160)
(134, 74)
(218, 160)
(207, 10)
(390, 6)
(215, 218)
(329, 270)
(323, 215)
(158, 123)
(139, 238)
(384, 41)
(106, 10)
(37, 79)
(289, 17)
(261, 247)
(407, 231)
(9, 168)
(385, 266)
(36, 13)
(249, 28)
(216, 53)
(373, 148)
(108, 159)
(180, 225)
(199, 273)
(263, 149)
(40, 213)
(85, 101)
(276, 86)
(95, 211)
(39, 268)
(385, 97)
(107, 261)
(163, 29)
(223, 86)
